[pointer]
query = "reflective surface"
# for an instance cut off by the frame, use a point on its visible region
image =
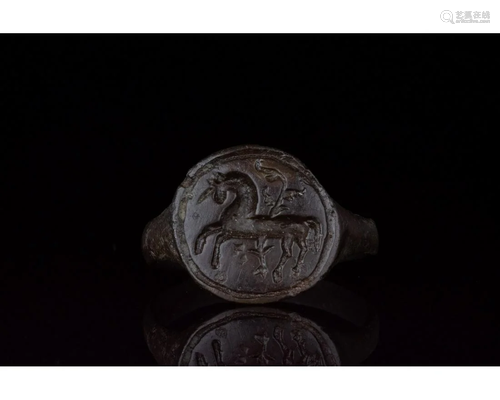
(342, 331)
(61, 310)
(254, 336)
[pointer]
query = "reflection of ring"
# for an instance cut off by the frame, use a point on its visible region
(209, 331)
(262, 213)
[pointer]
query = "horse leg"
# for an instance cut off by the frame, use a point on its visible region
(300, 259)
(221, 238)
(286, 247)
(202, 238)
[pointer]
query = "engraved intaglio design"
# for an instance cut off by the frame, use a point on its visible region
(240, 220)
(259, 337)
(253, 224)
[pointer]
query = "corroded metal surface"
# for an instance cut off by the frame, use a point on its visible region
(252, 224)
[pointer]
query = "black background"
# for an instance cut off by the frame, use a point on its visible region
(97, 132)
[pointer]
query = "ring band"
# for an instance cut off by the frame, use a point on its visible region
(252, 224)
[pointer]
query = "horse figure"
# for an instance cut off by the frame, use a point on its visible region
(240, 221)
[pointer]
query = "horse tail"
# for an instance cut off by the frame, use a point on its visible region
(316, 227)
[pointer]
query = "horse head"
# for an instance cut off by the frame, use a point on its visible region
(220, 184)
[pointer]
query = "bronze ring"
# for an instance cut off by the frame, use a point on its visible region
(251, 224)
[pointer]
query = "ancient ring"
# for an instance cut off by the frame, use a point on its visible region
(327, 325)
(251, 224)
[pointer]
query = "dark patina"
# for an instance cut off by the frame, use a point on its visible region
(252, 224)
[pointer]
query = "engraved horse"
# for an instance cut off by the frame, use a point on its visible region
(239, 220)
